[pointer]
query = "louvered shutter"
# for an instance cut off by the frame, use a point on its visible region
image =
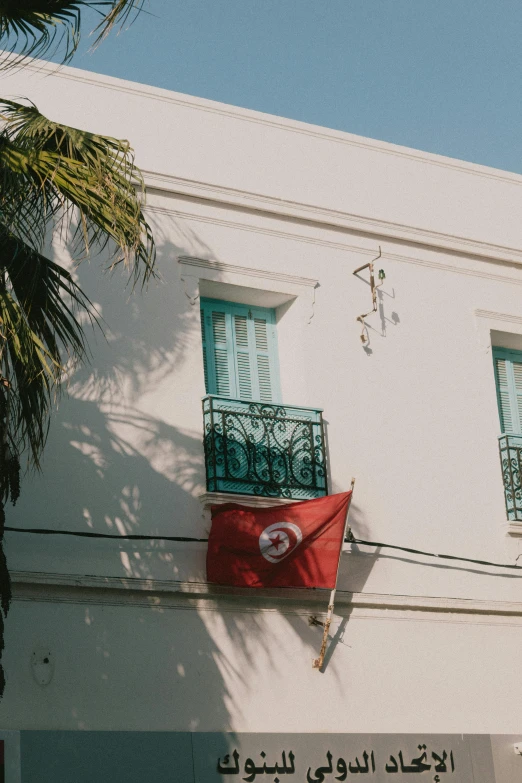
(243, 357)
(517, 377)
(204, 344)
(508, 376)
(262, 339)
(240, 351)
(216, 334)
(221, 340)
(504, 405)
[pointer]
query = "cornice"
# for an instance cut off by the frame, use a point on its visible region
(117, 591)
(248, 115)
(327, 218)
(193, 270)
(495, 316)
(338, 245)
(219, 266)
(380, 229)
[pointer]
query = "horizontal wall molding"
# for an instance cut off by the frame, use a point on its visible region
(248, 115)
(209, 191)
(329, 218)
(488, 321)
(194, 270)
(344, 246)
(220, 267)
(494, 316)
(201, 596)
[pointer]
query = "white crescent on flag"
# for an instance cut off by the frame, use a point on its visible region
(279, 540)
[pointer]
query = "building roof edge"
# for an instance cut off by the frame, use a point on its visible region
(250, 115)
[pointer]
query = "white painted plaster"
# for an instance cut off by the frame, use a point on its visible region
(255, 206)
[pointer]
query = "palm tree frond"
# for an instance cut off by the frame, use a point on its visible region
(120, 13)
(52, 175)
(40, 330)
(39, 28)
(49, 168)
(36, 28)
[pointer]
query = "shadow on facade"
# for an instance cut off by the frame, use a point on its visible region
(113, 465)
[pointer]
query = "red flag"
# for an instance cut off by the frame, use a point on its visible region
(296, 545)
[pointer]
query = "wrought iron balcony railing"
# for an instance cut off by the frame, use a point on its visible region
(511, 461)
(254, 448)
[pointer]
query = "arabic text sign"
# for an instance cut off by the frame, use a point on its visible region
(269, 758)
(417, 765)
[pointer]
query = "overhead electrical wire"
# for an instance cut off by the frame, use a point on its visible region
(85, 534)
(353, 540)
(350, 539)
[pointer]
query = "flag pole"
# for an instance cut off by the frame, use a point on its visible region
(317, 663)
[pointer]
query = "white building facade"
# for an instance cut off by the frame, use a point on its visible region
(260, 223)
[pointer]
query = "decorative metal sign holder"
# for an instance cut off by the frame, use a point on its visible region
(373, 286)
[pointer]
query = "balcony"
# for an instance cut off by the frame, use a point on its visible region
(255, 448)
(511, 461)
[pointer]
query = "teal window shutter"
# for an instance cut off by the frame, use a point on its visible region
(216, 336)
(508, 377)
(243, 359)
(239, 351)
(204, 344)
(262, 340)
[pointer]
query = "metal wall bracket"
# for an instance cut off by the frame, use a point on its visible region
(373, 287)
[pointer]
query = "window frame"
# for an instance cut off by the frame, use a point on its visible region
(251, 312)
(510, 355)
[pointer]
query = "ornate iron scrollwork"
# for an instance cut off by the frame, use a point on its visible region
(256, 448)
(511, 463)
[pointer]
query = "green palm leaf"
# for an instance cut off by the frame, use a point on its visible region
(121, 11)
(53, 176)
(40, 330)
(40, 27)
(50, 171)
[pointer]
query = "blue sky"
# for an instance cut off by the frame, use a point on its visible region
(439, 75)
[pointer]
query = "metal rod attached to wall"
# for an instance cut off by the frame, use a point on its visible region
(373, 287)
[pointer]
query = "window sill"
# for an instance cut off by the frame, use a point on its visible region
(208, 499)
(514, 528)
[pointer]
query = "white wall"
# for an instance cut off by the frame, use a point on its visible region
(413, 416)
(226, 669)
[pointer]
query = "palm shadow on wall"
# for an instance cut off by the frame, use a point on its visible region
(111, 465)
